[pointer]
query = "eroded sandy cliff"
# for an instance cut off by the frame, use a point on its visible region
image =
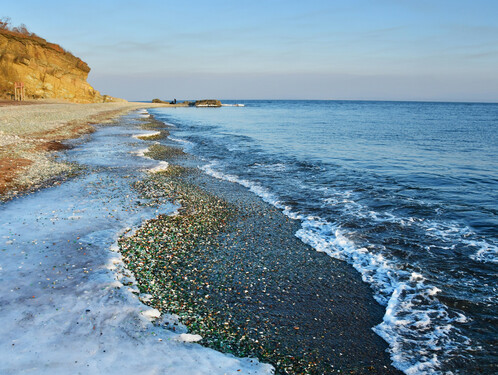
(46, 69)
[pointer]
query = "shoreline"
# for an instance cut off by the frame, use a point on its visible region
(241, 280)
(276, 318)
(30, 133)
(69, 304)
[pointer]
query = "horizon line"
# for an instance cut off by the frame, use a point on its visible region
(343, 100)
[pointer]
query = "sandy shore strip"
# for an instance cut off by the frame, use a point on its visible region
(30, 133)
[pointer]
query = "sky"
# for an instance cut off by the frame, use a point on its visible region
(253, 49)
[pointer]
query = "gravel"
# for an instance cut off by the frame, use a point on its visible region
(230, 266)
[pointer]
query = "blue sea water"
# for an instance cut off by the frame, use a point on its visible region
(406, 192)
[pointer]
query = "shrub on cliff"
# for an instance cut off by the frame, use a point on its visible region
(21, 29)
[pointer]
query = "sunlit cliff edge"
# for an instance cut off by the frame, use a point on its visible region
(46, 69)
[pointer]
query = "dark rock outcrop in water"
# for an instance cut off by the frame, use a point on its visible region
(197, 103)
(46, 69)
(208, 103)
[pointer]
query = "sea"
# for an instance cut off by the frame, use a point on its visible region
(405, 192)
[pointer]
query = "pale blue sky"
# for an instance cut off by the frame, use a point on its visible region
(356, 49)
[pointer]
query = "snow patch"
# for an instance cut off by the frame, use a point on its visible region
(161, 167)
(151, 314)
(187, 337)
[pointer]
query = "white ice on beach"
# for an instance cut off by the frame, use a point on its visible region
(146, 135)
(140, 152)
(143, 113)
(161, 167)
(187, 337)
(68, 305)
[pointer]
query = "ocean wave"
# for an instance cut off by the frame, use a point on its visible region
(486, 253)
(187, 145)
(256, 188)
(274, 167)
(418, 328)
(451, 233)
(455, 233)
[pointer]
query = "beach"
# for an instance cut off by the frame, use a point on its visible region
(68, 303)
(307, 189)
(30, 130)
(235, 240)
(392, 189)
(93, 245)
(231, 267)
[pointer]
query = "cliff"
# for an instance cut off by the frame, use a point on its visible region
(46, 69)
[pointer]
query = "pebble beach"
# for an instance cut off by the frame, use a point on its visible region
(158, 261)
(30, 133)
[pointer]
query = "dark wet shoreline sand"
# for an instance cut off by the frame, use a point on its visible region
(237, 275)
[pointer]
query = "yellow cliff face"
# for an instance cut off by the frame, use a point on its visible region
(46, 69)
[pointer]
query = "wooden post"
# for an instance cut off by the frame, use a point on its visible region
(19, 91)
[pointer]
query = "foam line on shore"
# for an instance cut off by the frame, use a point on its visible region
(396, 289)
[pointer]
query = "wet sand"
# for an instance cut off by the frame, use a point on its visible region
(250, 287)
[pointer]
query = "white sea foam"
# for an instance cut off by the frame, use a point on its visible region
(275, 167)
(450, 232)
(179, 140)
(486, 253)
(252, 186)
(416, 325)
(187, 145)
